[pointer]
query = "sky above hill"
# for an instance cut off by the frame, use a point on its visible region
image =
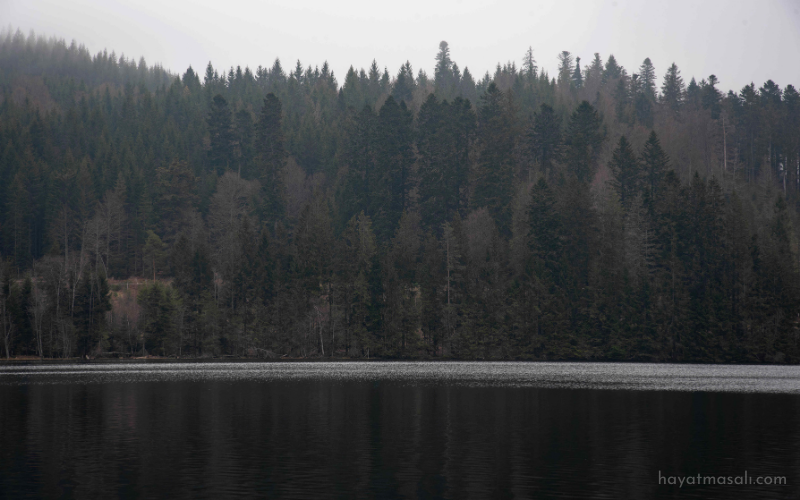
(738, 41)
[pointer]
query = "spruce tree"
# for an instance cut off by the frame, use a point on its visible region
(613, 70)
(577, 76)
(544, 139)
(529, 68)
(627, 172)
(404, 85)
(494, 175)
(443, 74)
(271, 159)
(673, 89)
(220, 156)
(647, 79)
(565, 69)
(655, 163)
(392, 175)
(582, 142)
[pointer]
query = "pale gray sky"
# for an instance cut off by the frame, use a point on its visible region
(738, 41)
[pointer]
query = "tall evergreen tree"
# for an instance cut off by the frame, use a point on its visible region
(627, 172)
(565, 69)
(655, 163)
(220, 156)
(582, 142)
(271, 159)
(673, 89)
(577, 75)
(544, 139)
(494, 175)
(647, 79)
(613, 70)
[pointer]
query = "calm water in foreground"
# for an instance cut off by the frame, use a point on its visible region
(396, 430)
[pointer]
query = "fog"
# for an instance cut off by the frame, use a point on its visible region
(737, 41)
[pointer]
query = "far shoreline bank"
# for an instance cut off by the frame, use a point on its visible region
(217, 360)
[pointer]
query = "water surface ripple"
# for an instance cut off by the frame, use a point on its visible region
(386, 430)
(561, 375)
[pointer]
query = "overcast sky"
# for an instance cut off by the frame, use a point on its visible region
(738, 41)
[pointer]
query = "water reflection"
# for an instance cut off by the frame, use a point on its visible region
(218, 431)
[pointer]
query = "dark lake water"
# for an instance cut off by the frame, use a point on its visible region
(398, 430)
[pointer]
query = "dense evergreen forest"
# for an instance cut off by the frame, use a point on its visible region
(595, 214)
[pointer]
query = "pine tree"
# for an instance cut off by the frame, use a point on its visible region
(544, 139)
(627, 172)
(565, 69)
(594, 75)
(613, 70)
(494, 175)
(673, 89)
(577, 76)
(582, 142)
(244, 152)
(271, 159)
(392, 176)
(404, 85)
(544, 270)
(693, 94)
(710, 97)
(655, 163)
(647, 79)
(220, 156)
(443, 74)
(529, 68)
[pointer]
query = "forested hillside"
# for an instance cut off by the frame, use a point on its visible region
(599, 213)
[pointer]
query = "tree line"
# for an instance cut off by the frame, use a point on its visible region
(594, 214)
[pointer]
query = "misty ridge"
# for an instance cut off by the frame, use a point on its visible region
(599, 213)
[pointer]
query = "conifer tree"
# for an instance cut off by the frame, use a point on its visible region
(577, 75)
(443, 74)
(544, 139)
(613, 70)
(627, 172)
(582, 142)
(655, 163)
(271, 159)
(647, 79)
(392, 176)
(673, 89)
(220, 156)
(494, 176)
(529, 68)
(565, 69)
(404, 85)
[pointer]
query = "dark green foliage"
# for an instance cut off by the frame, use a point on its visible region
(673, 89)
(544, 139)
(278, 214)
(446, 134)
(271, 159)
(390, 181)
(627, 172)
(494, 174)
(582, 142)
(655, 163)
(577, 75)
(220, 130)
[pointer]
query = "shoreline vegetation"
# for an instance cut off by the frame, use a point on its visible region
(599, 213)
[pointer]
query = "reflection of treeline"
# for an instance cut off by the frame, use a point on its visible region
(588, 216)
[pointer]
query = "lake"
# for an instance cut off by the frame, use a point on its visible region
(398, 430)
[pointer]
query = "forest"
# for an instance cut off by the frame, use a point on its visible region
(600, 213)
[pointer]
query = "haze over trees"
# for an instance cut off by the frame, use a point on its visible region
(593, 214)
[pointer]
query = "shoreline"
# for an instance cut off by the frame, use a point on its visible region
(165, 360)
